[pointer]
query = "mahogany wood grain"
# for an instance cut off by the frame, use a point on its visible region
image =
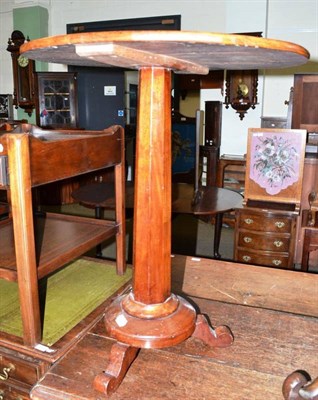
(210, 50)
(310, 184)
(152, 204)
(120, 211)
(121, 357)
(310, 245)
(212, 200)
(265, 236)
(48, 150)
(252, 286)
(60, 239)
(33, 246)
(24, 243)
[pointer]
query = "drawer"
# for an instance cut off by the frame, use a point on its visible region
(264, 222)
(273, 122)
(266, 259)
(262, 241)
(9, 393)
(26, 370)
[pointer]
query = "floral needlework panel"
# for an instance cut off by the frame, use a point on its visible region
(275, 160)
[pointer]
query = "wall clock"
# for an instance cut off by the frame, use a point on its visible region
(241, 87)
(241, 90)
(24, 93)
(23, 61)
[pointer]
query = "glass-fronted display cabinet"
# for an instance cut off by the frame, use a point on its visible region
(57, 100)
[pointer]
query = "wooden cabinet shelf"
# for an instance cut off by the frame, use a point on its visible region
(60, 239)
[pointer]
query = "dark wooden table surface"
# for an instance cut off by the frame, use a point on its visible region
(272, 314)
(208, 201)
(212, 200)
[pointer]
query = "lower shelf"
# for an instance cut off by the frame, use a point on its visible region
(67, 297)
(59, 239)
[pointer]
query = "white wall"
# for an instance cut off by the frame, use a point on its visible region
(295, 21)
(6, 28)
(291, 20)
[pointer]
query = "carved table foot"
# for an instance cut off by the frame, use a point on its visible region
(121, 357)
(221, 336)
(176, 322)
(298, 386)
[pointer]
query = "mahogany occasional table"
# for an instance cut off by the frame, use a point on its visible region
(210, 200)
(150, 316)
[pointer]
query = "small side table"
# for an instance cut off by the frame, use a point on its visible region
(151, 316)
(310, 240)
(212, 201)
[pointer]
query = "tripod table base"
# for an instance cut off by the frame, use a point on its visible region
(133, 333)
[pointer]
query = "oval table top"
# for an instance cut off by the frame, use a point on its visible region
(211, 200)
(183, 51)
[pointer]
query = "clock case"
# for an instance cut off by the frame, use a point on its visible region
(24, 93)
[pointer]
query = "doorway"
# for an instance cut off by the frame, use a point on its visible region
(101, 91)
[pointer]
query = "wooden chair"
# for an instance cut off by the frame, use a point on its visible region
(34, 245)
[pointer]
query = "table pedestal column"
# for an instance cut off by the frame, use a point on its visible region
(150, 316)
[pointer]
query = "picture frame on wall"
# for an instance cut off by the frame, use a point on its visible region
(274, 165)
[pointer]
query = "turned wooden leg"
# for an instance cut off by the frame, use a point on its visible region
(221, 336)
(121, 357)
(298, 386)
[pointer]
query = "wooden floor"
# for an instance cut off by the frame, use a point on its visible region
(273, 317)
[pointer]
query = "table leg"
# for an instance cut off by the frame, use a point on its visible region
(98, 215)
(217, 234)
(121, 357)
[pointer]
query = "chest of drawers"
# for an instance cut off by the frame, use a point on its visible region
(18, 373)
(265, 237)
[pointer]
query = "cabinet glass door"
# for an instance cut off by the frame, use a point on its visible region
(57, 100)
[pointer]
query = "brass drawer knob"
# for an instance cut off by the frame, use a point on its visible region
(247, 239)
(248, 221)
(277, 262)
(4, 375)
(278, 243)
(279, 224)
(247, 258)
